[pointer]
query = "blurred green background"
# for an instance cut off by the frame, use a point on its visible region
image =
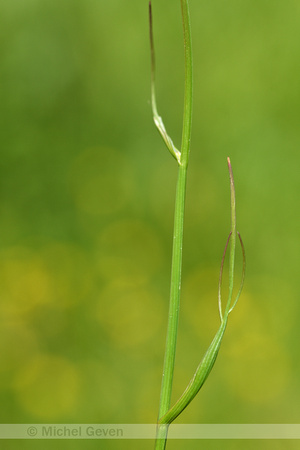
(86, 213)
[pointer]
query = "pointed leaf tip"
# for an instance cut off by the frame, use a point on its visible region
(230, 170)
(151, 30)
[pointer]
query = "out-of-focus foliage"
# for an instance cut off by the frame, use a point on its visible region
(86, 211)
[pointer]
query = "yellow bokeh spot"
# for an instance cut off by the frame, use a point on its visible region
(129, 315)
(18, 342)
(24, 281)
(103, 390)
(257, 367)
(56, 274)
(200, 302)
(70, 272)
(101, 181)
(254, 363)
(146, 395)
(47, 387)
(129, 248)
(278, 300)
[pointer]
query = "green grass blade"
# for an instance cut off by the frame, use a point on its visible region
(209, 359)
(156, 117)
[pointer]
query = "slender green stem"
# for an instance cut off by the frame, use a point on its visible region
(188, 88)
(166, 414)
(167, 380)
(170, 351)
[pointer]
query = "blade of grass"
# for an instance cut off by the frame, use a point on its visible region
(209, 359)
(156, 117)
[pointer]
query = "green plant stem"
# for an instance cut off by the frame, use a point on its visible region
(166, 414)
(188, 88)
(167, 380)
(170, 351)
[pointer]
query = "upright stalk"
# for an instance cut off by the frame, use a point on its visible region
(166, 413)
(169, 361)
(170, 350)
